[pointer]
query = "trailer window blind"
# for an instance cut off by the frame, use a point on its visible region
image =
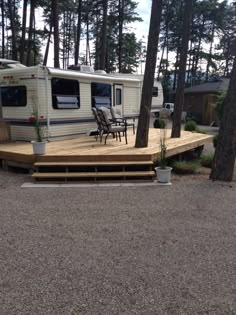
(65, 94)
(101, 94)
(13, 96)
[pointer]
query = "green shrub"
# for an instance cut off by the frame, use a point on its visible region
(207, 160)
(184, 167)
(191, 126)
(159, 123)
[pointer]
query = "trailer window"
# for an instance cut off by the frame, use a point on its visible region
(155, 91)
(65, 94)
(118, 96)
(13, 96)
(101, 94)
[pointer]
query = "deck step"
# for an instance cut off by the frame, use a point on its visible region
(95, 163)
(93, 170)
(49, 175)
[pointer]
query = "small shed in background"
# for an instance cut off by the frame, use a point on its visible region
(200, 100)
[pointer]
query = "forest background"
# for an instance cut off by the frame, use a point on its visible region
(111, 35)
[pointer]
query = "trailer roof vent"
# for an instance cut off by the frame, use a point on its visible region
(100, 71)
(84, 68)
(81, 68)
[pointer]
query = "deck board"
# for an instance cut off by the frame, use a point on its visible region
(85, 148)
(93, 174)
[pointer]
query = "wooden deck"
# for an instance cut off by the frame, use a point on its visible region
(85, 148)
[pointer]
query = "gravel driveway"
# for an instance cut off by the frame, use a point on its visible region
(117, 250)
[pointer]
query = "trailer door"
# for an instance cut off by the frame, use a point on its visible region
(118, 97)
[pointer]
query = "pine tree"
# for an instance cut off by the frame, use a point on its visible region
(225, 154)
(179, 98)
(146, 100)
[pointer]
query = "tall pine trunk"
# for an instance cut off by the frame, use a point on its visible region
(179, 98)
(87, 57)
(69, 37)
(30, 35)
(63, 41)
(104, 36)
(13, 29)
(97, 39)
(176, 69)
(3, 27)
(224, 159)
(22, 42)
(210, 53)
(161, 59)
(55, 19)
(45, 59)
(148, 81)
(78, 32)
(165, 44)
(120, 40)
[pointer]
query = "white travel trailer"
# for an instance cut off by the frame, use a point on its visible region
(64, 98)
(157, 91)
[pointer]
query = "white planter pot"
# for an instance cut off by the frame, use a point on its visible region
(163, 174)
(39, 147)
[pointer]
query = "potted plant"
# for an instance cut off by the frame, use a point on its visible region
(163, 171)
(39, 145)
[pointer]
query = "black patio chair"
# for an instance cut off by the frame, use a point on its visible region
(109, 126)
(117, 117)
(99, 125)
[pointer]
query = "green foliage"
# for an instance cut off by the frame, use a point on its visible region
(207, 160)
(185, 167)
(191, 126)
(130, 53)
(210, 20)
(159, 123)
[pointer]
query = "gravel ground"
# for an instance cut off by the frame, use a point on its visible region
(139, 250)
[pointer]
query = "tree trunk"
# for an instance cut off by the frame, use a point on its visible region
(227, 56)
(78, 32)
(97, 39)
(3, 27)
(161, 60)
(13, 29)
(22, 43)
(121, 21)
(197, 55)
(179, 98)
(30, 36)
(175, 71)
(55, 19)
(87, 37)
(148, 81)
(210, 53)
(63, 40)
(104, 36)
(189, 63)
(69, 37)
(45, 60)
(224, 159)
(165, 44)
